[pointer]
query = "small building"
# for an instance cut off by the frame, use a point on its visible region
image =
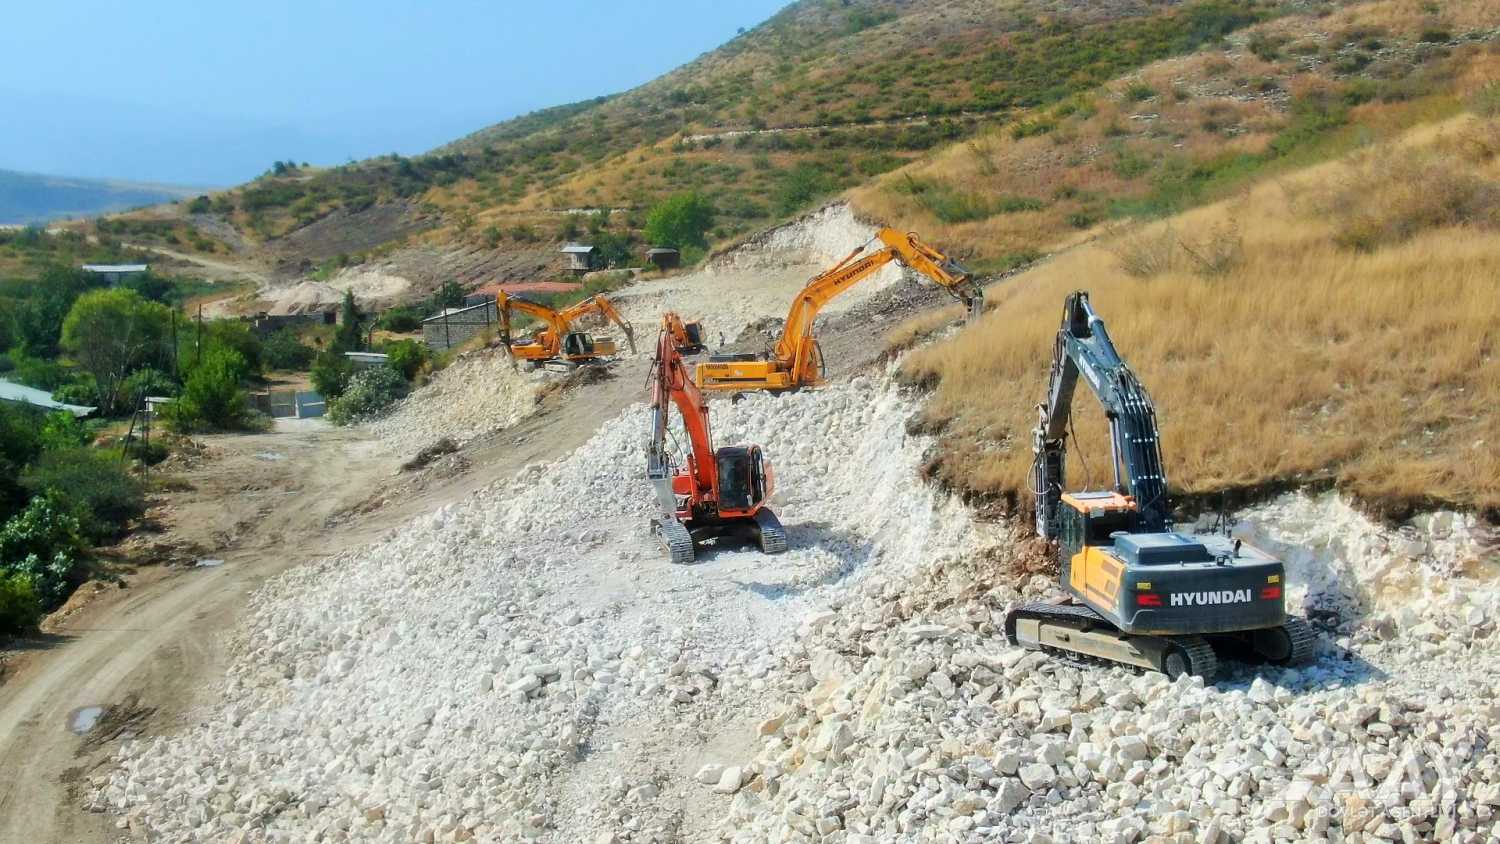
(581, 257)
(21, 394)
(454, 326)
(366, 360)
(264, 324)
(664, 257)
(115, 273)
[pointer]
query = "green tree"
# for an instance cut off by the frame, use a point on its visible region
(799, 186)
(93, 487)
(111, 333)
(331, 373)
(349, 337)
(44, 304)
(449, 295)
(211, 396)
(680, 220)
(42, 543)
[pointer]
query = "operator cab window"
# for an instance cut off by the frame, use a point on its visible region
(734, 479)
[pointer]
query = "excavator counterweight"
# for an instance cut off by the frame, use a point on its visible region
(1140, 593)
(796, 360)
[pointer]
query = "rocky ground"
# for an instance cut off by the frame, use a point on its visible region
(524, 664)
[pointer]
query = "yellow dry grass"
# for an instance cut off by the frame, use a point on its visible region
(1375, 370)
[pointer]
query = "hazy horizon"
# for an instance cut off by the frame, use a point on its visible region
(211, 95)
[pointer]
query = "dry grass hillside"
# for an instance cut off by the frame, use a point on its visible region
(1338, 324)
(821, 97)
(1290, 91)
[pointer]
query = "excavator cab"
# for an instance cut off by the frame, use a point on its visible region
(742, 477)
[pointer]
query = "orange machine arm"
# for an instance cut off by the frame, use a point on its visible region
(505, 303)
(597, 304)
(795, 347)
(674, 383)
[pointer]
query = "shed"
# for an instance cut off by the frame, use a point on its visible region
(22, 394)
(115, 273)
(580, 257)
(664, 257)
(365, 360)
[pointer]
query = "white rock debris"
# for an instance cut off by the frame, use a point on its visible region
(475, 395)
(526, 664)
(957, 736)
(759, 278)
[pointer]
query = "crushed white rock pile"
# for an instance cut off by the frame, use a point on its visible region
(526, 664)
(759, 278)
(927, 726)
(477, 394)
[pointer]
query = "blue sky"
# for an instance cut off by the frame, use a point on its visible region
(210, 93)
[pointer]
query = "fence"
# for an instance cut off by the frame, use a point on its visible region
(456, 325)
(289, 404)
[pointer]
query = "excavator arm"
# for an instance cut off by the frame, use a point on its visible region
(505, 304)
(598, 304)
(794, 361)
(672, 385)
(1083, 347)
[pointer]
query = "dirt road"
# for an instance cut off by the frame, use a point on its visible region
(263, 503)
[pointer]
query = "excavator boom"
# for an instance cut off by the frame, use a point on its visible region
(796, 360)
(718, 493)
(1138, 590)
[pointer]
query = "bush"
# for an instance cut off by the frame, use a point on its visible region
(44, 545)
(95, 488)
(1139, 92)
(148, 382)
(369, 395)
(36, 372)
(406, 357)
(403, 319)
(282, 350)
(62, 430)
(211, 397)
(20, 606)
(331, 373)
(82, 390)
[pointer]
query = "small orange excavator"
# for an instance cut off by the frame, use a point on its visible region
(559, 343)
(687, 336)
(796, 361)
(718, 493)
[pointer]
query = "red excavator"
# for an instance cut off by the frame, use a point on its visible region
(718, 493)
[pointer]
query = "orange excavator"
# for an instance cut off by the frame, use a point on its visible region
(796, 361)
(559, 342)
(717, 493)
(686, 336)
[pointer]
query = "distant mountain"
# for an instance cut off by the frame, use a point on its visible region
(34, 198)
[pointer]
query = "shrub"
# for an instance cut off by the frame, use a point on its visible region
(37, 372)
(211, 397)
(406, 357)
(20, 606)
(1138, 92)
(1486, 101)
(282, 350)
(62, 430)
(369, 395)
(43, 544)
(81, 390)
(95, 488)
(331, 373)
(403, 319)
(148, 382)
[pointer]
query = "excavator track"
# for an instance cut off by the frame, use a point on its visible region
(1076, 632)
(1295, 642)
(675, 538)
(772, 534)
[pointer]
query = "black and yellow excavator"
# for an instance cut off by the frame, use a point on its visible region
(796, 361)
(1139, 592)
